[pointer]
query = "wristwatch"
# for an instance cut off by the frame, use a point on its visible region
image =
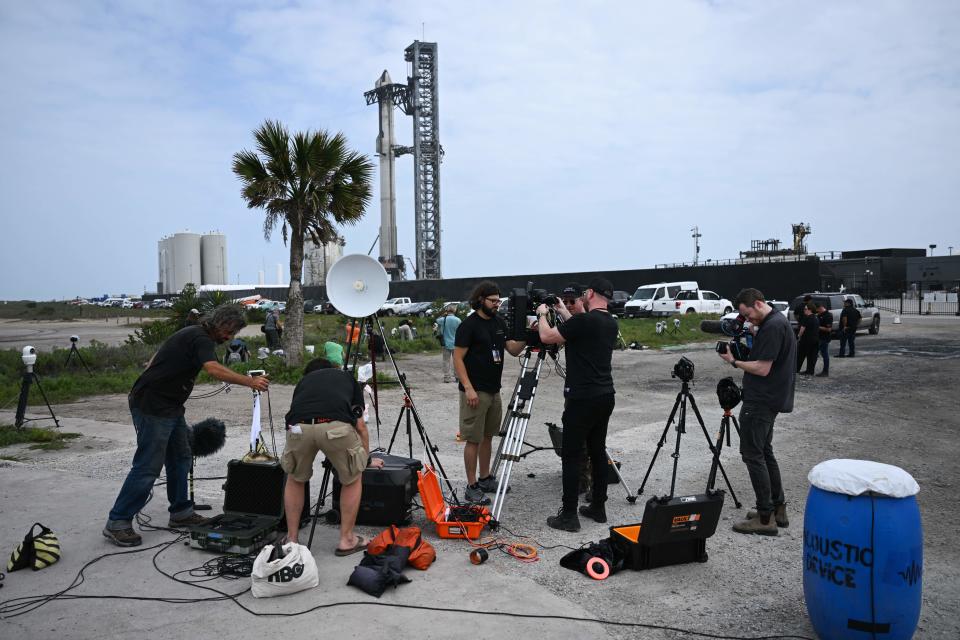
(733, 363)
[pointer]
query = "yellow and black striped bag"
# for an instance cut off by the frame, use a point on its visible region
(37, 552)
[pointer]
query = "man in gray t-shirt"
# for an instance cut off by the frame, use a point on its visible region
(769, 376)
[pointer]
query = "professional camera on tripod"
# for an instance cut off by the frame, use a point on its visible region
(522, 305)
(735, 327)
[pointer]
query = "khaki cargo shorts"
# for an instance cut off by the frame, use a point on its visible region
(339, 441)
(482, 422)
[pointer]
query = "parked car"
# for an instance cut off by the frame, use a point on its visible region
(694, 301)
(418, 309)
(869, 314)
(392, 306)
(643, 299)
(618, 302)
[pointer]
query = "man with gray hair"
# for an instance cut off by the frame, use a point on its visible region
(156, 405)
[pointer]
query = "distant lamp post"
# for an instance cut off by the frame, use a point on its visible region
(932, 247)
(868, 273)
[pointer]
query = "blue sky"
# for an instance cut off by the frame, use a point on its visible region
(578, 136)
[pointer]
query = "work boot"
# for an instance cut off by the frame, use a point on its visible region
(822, 374)
(192, 520)
(597, 512)
(564, 521)
(756, 525)
(474, 494)
(779, 515)
(123, 537)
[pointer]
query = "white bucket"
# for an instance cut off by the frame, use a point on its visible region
(308, 348)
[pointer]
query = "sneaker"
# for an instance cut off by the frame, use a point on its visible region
(756, 525)
(123, 537)
(474, 494)
(822, 374)
(192, 520)
(488, 484)
(564, 521)
(779, 515)
(806, 373)
(596, 513)
(840, 355)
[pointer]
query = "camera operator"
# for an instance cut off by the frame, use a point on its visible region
(768, 384)
(478, 362)
(590, 338)
(156, 406)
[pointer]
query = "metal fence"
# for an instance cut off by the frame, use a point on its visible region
(911, 304)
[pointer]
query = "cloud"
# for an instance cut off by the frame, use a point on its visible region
(593, 135)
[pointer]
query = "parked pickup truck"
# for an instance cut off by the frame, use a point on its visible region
(392, 306)
(693, 301)
(869, 314)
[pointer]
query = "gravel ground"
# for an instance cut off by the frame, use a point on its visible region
(895, 403)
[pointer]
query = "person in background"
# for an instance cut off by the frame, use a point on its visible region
(849, 321)
(808, 339)
(825, 334)
(271, 327)
(447, 325)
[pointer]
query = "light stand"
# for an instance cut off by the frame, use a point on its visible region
(75, 351)
(29, 358)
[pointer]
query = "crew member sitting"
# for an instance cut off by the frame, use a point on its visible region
(326, 415)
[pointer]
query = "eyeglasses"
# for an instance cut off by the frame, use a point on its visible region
(495, 301)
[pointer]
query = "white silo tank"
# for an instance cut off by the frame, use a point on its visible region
(186, 259)
(213, 258)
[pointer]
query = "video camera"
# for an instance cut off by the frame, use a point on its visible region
(523, 303)
(683, 369)
(733, 327)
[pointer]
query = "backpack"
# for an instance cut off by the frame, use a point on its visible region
(422, 553)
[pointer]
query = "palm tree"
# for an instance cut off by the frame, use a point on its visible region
(307, 183)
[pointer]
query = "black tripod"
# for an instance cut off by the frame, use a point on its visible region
(29, 377)
(75, 351)
(724, 434)
(681, 403)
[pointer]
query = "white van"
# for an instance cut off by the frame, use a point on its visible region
(641, 304)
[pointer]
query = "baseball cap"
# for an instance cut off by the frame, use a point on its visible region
(572, 290)
(601, 286)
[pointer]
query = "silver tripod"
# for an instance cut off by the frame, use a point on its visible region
(515, 424)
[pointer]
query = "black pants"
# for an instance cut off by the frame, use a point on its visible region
(585, 423)
(756, 449)
(807, 351)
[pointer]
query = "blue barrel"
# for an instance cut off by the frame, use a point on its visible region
(862, 559)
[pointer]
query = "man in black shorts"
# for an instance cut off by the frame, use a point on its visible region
(478, 362)
(590, 339)
(769, 377)
(326, 414)
(156, 405)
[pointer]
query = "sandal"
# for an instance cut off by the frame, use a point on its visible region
(360, 546)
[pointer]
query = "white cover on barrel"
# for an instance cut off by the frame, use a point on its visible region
(856, 477)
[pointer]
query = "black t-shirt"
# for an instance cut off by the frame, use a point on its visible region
(484, 341)
(326, 393)
(852, 314)
(775, 342)
(811, 332)
(826, 320)
(590, 340)
(162, 389)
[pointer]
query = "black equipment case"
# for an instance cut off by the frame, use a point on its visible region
(673, 531)
(387, 492)
(252, 509)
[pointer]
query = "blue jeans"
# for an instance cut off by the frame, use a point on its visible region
(825, 356)
(161, 442)
(756, 449)
(847, 337)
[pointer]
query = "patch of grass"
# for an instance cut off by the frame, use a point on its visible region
(44, 438)
(11, 458)
(644, 330)
(55, 445)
